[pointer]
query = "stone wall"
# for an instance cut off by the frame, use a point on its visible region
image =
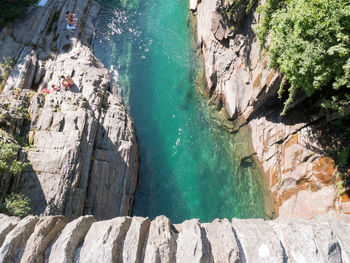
(137, 239)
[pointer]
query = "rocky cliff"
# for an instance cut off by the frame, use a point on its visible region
(81, 143)
(300, 176)
(137, 239)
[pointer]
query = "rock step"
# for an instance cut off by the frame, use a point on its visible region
(136, 239)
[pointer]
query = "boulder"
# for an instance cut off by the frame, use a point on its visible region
(304, 242)
(192, 243)
(104, 240)
(13, 246)
(45, 231)
(135, 239)
(160, 243)
(223, 242)
(6, 225)
(193, 5)
(258, 241)
(65, 246)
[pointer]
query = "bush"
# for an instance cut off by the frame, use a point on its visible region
(6, 66)
(264, 25)
(12, 9)
(8, 159)
(310, 45)
(16, 205)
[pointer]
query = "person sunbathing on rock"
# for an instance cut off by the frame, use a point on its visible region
(67, 81)
(58, 86)
(71, 19)
(53, 87)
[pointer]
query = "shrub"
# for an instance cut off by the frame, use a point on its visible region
(310, 45)
(16, 205)
(12, 9)
(6, 68)
(233, 10)
(8, 159)
(264, 25)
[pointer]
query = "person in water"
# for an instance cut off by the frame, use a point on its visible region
(67, 81)
(71, 19)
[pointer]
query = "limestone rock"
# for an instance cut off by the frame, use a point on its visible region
(83, 151)
(306, 204)
(125, 239)
(135, 239)
(223, 242)
(72, 236)
(45, 231)
(327, 241)
(103, 242)
(23, 73)
(160, 243)
(15, 241)
(339, 226)
(258, 241)
(192, 243)
(6, 225)
(116, 154)
(303, 246)
(193, 5)
(237, 72)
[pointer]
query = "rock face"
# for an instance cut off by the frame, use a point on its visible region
(300, 177)
(125, 239)
(83, 150)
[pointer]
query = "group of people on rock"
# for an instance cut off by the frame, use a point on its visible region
(72, 20)
(64, 82)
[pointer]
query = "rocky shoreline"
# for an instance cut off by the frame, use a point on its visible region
(82, 144)
(299, 174)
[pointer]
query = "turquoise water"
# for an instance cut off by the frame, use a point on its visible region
(190, 164)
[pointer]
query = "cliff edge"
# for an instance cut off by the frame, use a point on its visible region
(301, 177)
(80, 143)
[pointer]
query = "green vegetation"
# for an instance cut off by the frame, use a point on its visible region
(8, 159)
(310, 45)
(13, 9)
(234, 4)
(339, 184)
(232, 8)
(16, 205)
(6, 68)
(264, 25)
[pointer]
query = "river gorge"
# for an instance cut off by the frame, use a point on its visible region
(190, 164)
(170, 145)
